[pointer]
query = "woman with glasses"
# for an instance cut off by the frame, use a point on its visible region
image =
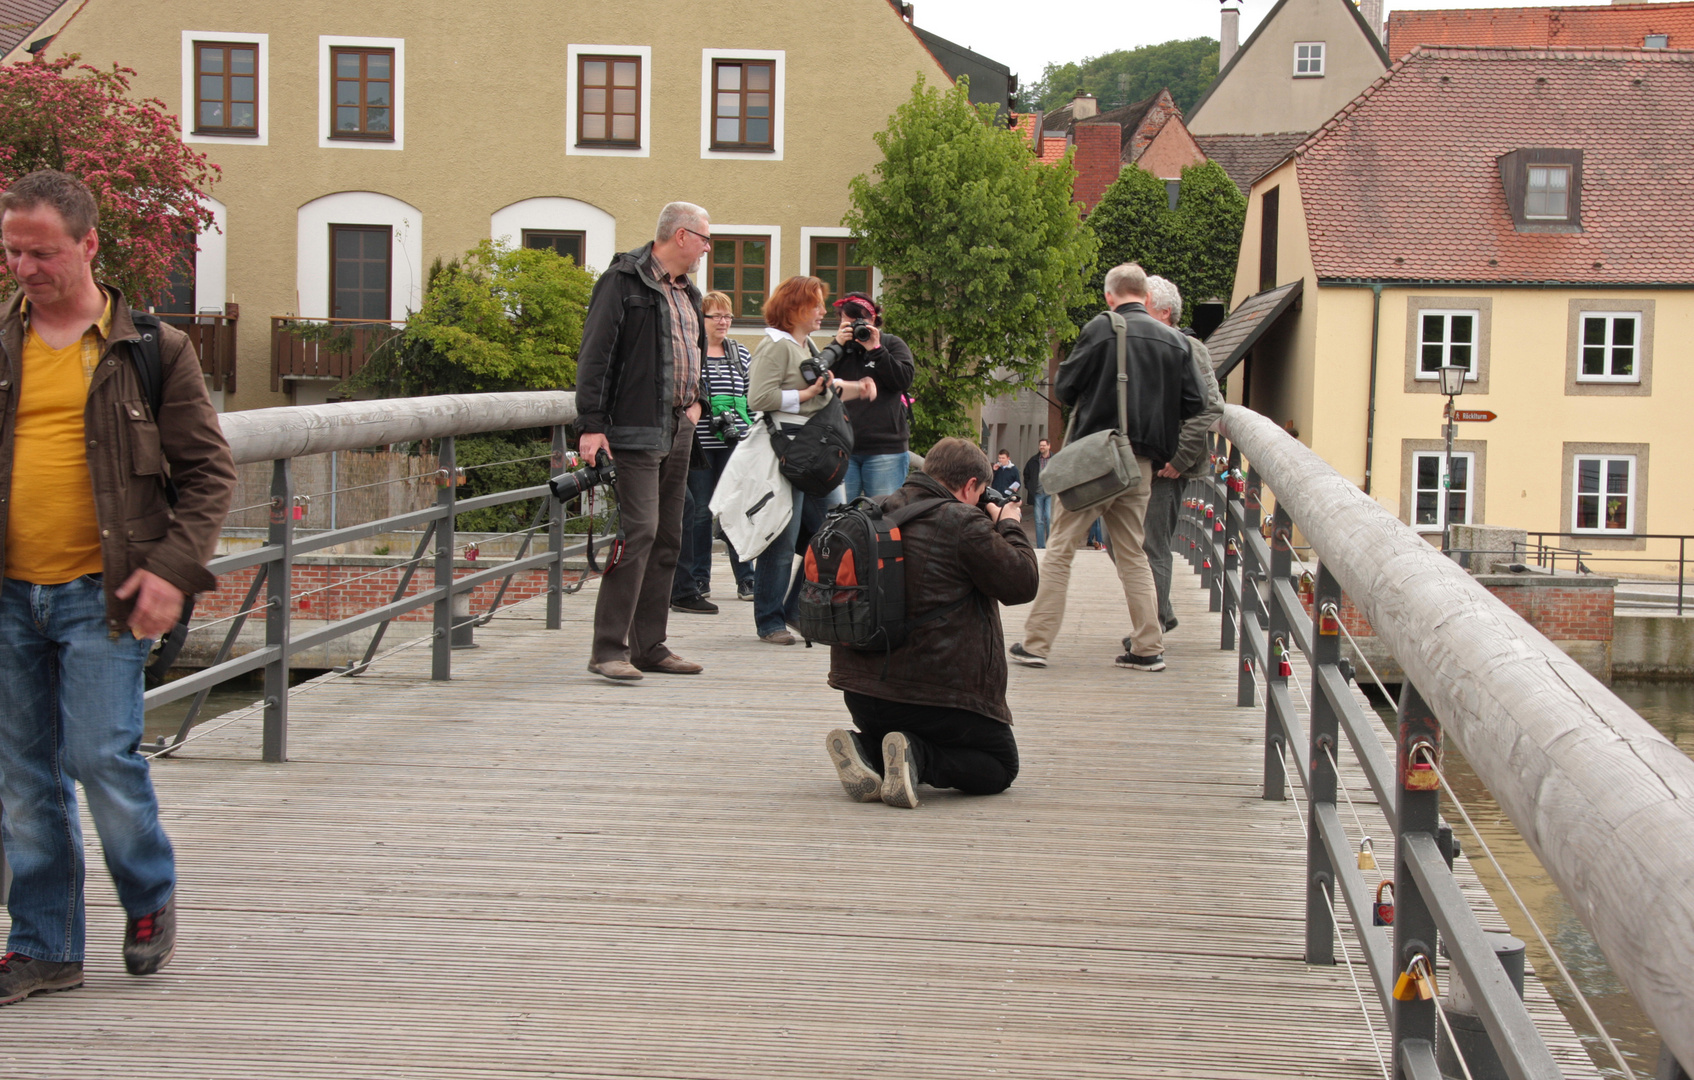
(793, 313)
(724, 422)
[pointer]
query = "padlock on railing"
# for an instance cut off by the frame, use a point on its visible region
(1417, 982)
(1306, 586)
(1420, 770)
(1367, 855)
(1284, 668)
(1382, 912)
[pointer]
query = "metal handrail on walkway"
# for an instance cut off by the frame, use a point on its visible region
(1604, 801)
(279, 436)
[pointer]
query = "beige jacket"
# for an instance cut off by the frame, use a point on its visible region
(775, 368)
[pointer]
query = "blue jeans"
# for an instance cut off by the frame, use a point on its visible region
(1043, 519)
(773, 601)
(875, 474)
(701, 484)
(71, 710)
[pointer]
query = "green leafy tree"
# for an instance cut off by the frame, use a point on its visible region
(500, 318)
(981, 249)
(1195, 245)
(1127, 75)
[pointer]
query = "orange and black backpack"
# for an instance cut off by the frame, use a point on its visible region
(853, 586)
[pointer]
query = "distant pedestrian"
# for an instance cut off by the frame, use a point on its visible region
(1006, 480)
(1188, 461)
(99, 558)
(1163, 391)
(1036, 495)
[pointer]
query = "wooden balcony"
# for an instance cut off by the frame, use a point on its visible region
(324, 348)
(213, 338)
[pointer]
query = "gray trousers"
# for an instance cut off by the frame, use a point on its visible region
(1162, 506)
(634, 605)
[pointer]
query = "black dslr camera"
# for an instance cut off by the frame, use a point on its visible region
(993, 497)
(724, 426)
(815, 367)
(568, 485)
(861, 330)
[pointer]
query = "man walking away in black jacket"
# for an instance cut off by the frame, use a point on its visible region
(638, 396)
(1163, 392)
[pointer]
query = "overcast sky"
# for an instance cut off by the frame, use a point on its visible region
(1026, 37)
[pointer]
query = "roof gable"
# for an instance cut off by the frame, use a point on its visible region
(1259, 31)
(1405, 182)
(20, 18)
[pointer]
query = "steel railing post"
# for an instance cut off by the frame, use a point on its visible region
(441, 664)
(1324, 747)
(1231, 547)
(278, 614)
(1418, 812)
(1278, 643)
(1245, 691)
(556, 537)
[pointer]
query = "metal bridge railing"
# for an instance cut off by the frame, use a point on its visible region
(279, 436)
(1603, 800)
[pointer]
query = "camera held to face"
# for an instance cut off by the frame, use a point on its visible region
(861, 330)
(568, 485)
(993, 497)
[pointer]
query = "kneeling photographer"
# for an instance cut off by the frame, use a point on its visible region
(880, 429)
(933, 710)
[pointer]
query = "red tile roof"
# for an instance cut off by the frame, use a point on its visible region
(1247, 157)
(1404, 183)
(1052, 149)
(19, 18)
(1624, 26)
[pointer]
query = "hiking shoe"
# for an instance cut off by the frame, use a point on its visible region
(744, 591)
(861, 782)
(150, 941)
(21, 976)
(1025, 657)
(778, 637)
(695, 605)
(900, 771)
(1142, 663)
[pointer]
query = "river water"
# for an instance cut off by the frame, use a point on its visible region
(1669, 707)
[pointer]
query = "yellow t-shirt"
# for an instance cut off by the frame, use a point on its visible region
(52, 534)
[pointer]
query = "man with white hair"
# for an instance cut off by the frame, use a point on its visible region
(1190, 459)
(638, 396)
(1163, 391)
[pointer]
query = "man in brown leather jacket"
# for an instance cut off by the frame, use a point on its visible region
(934, 710)
(98, 560)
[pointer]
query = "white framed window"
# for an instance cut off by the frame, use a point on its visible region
(611, 102)
(742, 94)
(1430, 511)
(744, 262)
(558, 214)
(1308, 59)
(317, 225)
(226, 88)
(1447, 338)
(845, 262)
(1611, 345)
(362, 93)
(1604, 490)
(1547, 194)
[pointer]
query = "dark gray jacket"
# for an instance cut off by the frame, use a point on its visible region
(1190, 458)
(624, 371)
(1163, 387)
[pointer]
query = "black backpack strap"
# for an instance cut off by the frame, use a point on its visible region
(149, 367)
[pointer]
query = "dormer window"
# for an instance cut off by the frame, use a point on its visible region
(1543, 189)
(1308, 59)
(1547, 196)
(1656, 41)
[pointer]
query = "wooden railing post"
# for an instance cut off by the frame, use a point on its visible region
(1278, 643)
(1419, 813)
(279, 597)
(441, 664)
(1324, 746)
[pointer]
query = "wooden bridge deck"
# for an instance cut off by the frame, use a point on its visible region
(532, 872)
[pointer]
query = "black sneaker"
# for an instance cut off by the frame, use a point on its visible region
(1142, 663)
(744, 591)
(21, 976)
(150, 941)
(861, 782)
(695, 605)
(1025, 657)
(899, 771)
(1169, 625)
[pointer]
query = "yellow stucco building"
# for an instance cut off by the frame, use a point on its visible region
(359, 141)
(1524, 214)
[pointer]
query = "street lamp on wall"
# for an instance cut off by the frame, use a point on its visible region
(1452, 384)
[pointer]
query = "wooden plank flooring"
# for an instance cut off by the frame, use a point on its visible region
(531, 872)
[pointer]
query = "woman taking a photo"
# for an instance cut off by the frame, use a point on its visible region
(793, 312)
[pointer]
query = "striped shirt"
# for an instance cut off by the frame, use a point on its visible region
(685, 334)
(726, 374)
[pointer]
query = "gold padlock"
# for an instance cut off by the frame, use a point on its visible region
(1367, 855)
(1406, 986)
(1426, 982)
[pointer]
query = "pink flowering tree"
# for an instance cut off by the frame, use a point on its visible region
(61, 114)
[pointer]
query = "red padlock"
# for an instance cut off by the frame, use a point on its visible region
(1217, 526)
(299, 513)
(1420, 776)
(1382, 912)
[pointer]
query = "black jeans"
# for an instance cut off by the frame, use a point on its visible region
(955, 748)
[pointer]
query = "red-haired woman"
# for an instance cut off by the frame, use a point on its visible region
(793, 312)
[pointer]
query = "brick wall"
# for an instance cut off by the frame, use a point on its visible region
(1097, 161)
(339, 589)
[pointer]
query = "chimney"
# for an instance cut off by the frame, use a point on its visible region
(1084, 106)
(1371, 12)
(1229, 35)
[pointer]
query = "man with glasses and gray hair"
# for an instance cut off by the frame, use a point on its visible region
(1189, 460)
(638, 397)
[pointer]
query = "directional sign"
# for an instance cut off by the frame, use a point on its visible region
(1473, 416)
